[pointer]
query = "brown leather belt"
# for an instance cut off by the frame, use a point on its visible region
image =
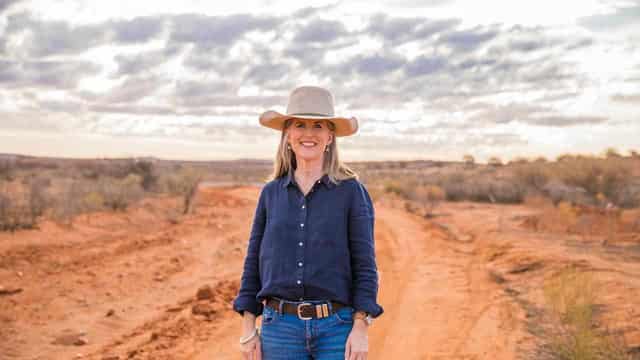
(305, 310)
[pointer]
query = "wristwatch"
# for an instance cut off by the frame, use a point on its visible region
(364, 316)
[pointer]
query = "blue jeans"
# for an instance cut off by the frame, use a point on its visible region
(286, 336)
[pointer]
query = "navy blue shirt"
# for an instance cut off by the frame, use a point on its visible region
(314, 247)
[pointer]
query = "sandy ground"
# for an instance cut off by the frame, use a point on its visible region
(464, 285)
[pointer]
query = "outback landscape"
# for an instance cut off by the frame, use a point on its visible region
(141, 258)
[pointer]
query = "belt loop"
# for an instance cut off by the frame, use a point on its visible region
(330, 307)
(280, 306)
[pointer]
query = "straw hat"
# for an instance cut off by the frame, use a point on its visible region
(310, 102)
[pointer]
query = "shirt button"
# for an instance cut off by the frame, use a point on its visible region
(303, 206)
(300, 263)
(301, 225)
(300, 243)
(299, 282)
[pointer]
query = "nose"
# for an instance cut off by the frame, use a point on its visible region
(308, 130)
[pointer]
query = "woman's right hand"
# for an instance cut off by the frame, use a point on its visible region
(251, 350)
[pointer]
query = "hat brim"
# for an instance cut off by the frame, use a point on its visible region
(344, 126)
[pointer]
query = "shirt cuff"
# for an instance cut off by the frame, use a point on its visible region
(371, 308)
(240, 304)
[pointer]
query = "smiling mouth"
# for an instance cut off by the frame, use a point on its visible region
(308, 144)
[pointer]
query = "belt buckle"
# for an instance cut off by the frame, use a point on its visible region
(298, 310)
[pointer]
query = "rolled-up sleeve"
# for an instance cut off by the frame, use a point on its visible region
(250, 282)
(362, 248)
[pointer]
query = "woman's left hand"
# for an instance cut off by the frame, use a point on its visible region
(357, 346)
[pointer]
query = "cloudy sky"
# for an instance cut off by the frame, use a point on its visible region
(431, 79)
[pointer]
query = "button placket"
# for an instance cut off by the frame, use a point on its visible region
(300, 249)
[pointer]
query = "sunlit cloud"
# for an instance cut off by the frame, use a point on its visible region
(425, 79)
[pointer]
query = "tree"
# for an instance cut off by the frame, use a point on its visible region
(429, 197)
(495, 161)
(611, 153)
(468, 160)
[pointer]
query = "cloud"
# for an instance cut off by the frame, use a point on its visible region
(399, 30)
(630, 99)
(67, 106)
(195, 89)
(621, 17)
(506, 113)
(564, 121)
(308, 55)
(216, 31)
(320, 31)
(133, 109)
(144, 62)
(264, 74)
(220, 93)
(213, 61)
(137, 30)
(134, 89)
(417, 71)
(371, 65)
(310, 11)
(528, 114)
(5, 4)
(425, 65)
(45, 74)
(579, 44)
(47, 38)
(31, 120)
(469, 39)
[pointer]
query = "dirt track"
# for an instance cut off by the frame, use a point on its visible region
(116, 286)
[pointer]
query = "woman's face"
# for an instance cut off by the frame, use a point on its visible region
(308, 138)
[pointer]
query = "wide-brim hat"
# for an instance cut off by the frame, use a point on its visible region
(310, 102)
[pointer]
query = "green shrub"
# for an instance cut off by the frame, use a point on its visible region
(119, 193)
(184, 184)
(533, 175)
(428, 196)
(570, 297)
(6, 169)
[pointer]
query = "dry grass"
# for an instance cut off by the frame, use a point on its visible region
(586, 180)
(606, 224)
(571, 297)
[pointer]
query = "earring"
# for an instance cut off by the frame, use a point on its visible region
(288, 147)
(326, 149)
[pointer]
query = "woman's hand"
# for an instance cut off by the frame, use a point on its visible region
(252, 350)
(357, 346)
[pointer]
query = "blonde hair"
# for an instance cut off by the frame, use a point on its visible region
(331, 165)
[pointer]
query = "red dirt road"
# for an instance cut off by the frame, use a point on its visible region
(465, 285)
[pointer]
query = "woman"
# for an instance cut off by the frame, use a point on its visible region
(310, 269)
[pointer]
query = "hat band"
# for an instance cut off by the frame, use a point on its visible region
(310, 114)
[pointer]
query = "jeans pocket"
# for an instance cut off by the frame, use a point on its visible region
(269, 315)
(344, 315)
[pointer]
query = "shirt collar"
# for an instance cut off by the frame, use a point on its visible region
(289, 179)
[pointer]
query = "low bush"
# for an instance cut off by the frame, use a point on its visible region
(117, 194)
(428, 196)
(6, 170)
(184, 184)
(15, 213)
(572, 335)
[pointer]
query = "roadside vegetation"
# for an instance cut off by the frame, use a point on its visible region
(573, 334)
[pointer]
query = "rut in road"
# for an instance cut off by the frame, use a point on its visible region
(439, 302)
